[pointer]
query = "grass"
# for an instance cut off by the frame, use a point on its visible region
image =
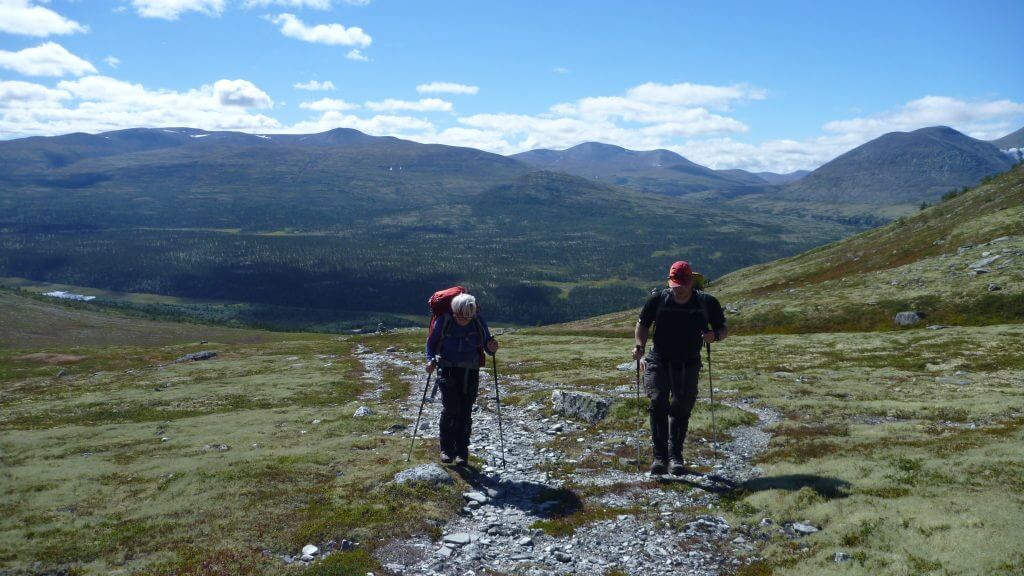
(89, 484)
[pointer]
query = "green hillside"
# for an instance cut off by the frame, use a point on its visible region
(351, 226)
(919, 263)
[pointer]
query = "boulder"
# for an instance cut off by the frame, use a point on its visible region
(363, 411)
(429, 473)
(196, 356)
(580, 405)
(908, 318)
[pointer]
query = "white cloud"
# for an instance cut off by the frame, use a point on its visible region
(24, 17)
(560, 70)
(328, 104)
(422, 105)
(447, 88)
(314, 4)
(172, 9)
(17, 94)
(49, 59)
(100, 103)
(314, 85)
(984, 119)
(241, 93)
(686, 94)
(112, 61)
(357, 55)
(331, 34)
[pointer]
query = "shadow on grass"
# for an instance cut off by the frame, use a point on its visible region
(824, 486)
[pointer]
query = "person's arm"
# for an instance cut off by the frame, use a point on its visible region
(432, 342)
(643, 326)
(640, 336)
(490, 344)
(716, 317)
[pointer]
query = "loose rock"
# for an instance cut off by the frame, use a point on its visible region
(429, 473)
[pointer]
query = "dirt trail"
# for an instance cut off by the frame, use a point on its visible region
(643, 525)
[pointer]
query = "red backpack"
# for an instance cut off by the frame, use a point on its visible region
(440, 304)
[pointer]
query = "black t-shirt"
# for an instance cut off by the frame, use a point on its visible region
(678, 327)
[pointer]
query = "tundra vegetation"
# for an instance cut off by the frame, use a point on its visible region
(904, 446)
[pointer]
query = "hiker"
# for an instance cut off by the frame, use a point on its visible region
(684, 319)
(456, 345)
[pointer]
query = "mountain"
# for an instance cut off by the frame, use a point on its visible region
(902, 168)
(957, 262)
(351, 223)
(1012, 140)
(657, 171)
(773, 178)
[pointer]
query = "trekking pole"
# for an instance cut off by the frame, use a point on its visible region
(416, 429)
(638, 435)
(711, 386)
(497, 400)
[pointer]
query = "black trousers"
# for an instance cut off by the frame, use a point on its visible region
(459, 387)
(672, 390)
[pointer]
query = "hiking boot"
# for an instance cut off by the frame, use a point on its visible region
(676, 466)
(445, 458)
(658, 468)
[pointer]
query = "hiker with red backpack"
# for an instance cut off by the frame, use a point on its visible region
(456, 345)
(685, 319)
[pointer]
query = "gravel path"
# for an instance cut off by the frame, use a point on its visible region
(639, 524)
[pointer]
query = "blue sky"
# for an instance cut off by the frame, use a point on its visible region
(755, 85)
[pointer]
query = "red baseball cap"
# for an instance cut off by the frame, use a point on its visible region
(680, 274)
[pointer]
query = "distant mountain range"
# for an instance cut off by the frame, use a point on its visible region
(896, 169)
(345, 221)
(658, 171)
(902, 168)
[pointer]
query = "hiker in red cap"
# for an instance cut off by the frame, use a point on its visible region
(684, 319)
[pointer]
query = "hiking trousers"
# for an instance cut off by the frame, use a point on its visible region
(672, 390)
(459, 387)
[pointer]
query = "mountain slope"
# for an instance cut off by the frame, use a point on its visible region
(902, 168)
(658, 171)
(927, 263)
(342, 221)
(1012, 140)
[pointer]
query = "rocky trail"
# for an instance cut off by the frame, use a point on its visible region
(634, 523)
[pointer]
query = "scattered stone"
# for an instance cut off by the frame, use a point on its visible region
(804, 529)
(196, 356)
(362, 411)
(458, 539)
(391, 349)
(165, 439)
(993, 287)
(562, 556)
(310, 550)
(626, 366)
(841, 557)
(908, 318)
(395, 428)
(938, 327)
(478, 497)
(216, 447)
(983, 262)
(580, 405)
(61, 373)
(767, 522)
(429, 473)
(525, 541)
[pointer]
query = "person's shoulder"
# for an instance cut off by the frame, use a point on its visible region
(654, 297)
(710, 299)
